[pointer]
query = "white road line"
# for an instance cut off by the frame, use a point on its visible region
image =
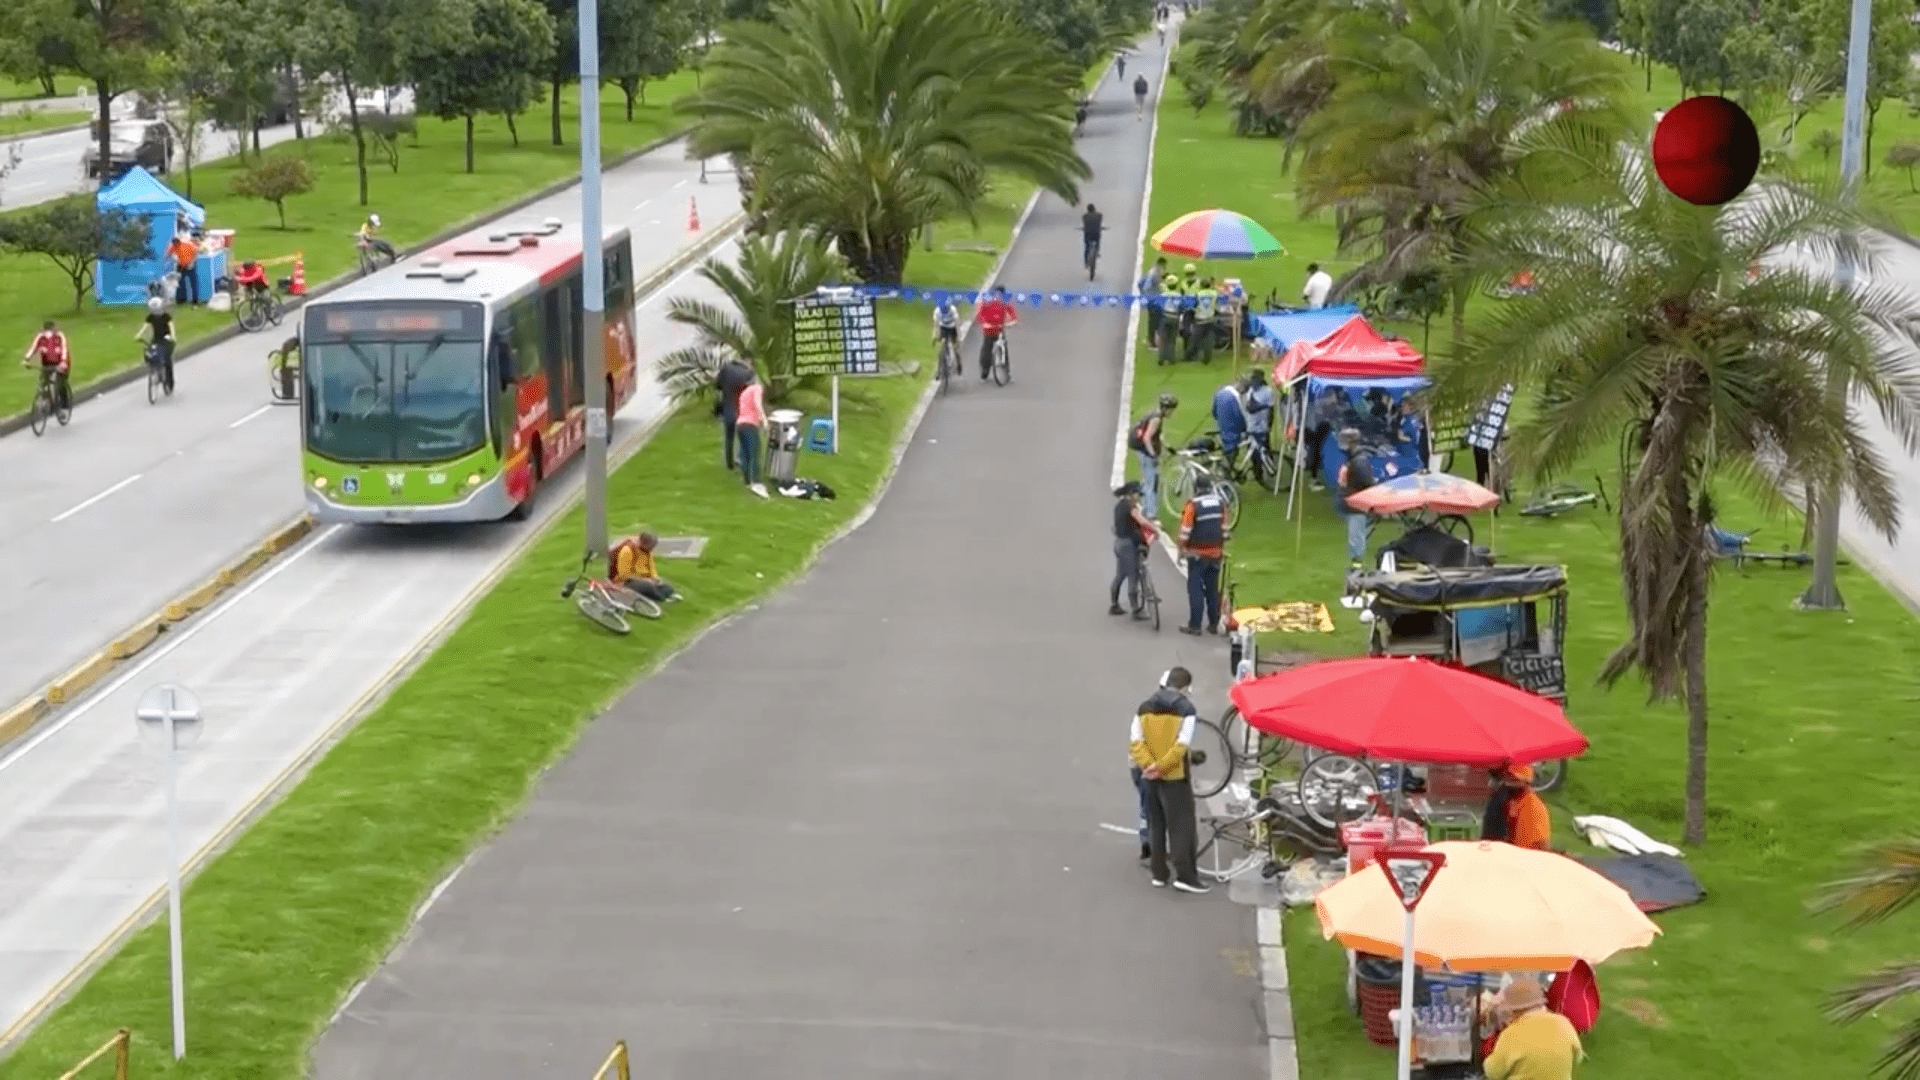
(173, 641)
(677, 186)
(1124, 428)
(641, 204)
(663, 290)
(69, 513)
(249, 416)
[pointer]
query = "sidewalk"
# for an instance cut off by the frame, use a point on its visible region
(857, 831)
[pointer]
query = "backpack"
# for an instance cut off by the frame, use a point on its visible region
(1137, 439)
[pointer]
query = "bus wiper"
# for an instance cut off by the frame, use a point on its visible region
(413, 369)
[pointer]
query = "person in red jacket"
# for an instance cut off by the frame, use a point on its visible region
(50, 349)
(993, 318)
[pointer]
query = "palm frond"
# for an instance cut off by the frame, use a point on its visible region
(1887, 883)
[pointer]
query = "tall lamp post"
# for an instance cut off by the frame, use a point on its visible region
(1823, 592)
(593, 263)
(170, 716)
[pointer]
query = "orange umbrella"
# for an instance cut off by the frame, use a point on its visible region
(1492, 907)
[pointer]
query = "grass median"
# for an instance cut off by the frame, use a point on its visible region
(1807, 759)
(310, 898)
(36, 118)
(429, 192)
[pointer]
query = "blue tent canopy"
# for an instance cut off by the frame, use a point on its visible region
(1282, 329)
(140, 194)
(1391, 442)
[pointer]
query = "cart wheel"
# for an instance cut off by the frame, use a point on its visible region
(1335, 788)
(1455, 526)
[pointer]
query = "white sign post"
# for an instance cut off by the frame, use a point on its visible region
(1410, 871)
(169, 715)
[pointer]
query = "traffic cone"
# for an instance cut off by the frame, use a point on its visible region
(693, 215)
(299, 286)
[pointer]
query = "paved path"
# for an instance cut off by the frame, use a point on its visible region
(165, 494)
(1898, 561)
(856, 833)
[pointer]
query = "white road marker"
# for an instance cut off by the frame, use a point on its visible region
(69, 513)
(250, 416)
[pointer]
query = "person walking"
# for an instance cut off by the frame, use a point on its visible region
(751, 422)
(1162, 731)
(1356, 476)
(1203, 540)
(1148, 441)
(733, 377)
(1149, 290)
(1131, 528)
(185, 253)
(1319, 285)
(1139, 97)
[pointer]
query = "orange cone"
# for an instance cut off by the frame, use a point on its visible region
(693, 215)
(299, 285)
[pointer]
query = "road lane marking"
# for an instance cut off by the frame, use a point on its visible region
(249, 416)
(69, 513)
(173, 641)
(637, 206)
(680, 185)
(680, 277)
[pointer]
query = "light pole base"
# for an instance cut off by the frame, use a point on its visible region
(1810, 601)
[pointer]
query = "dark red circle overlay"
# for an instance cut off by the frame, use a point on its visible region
(1706, 150)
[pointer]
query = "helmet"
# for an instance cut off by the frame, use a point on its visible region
(1257, 377)
(373, 220)
(1168, 401)
(1202, 485)
(1131, 487)
(156, 305)
(1190, 268)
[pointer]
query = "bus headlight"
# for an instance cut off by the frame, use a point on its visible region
(320, 482)
(472, 480)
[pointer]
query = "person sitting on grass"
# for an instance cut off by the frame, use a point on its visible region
(630, 564)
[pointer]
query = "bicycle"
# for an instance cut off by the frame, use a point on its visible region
(1001, 362)
(1556, 499)
(254, 308)
(606, 603)
(949, 363)
(1149, 597)
(372, 256)
(1191, 464)
(158, 384)
(50, 400)
(1273, 841)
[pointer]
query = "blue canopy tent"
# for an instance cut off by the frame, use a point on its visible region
(140, 194)
(1280, 329)
(1391, 442)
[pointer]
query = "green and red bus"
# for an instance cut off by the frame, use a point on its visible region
(451, 386)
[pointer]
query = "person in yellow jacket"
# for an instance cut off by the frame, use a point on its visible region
(630, 563)
(1162, 731)
(1536, 1044)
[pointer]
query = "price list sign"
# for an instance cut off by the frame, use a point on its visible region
(834, 336)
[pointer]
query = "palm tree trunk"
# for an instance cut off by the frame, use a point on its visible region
(1460, 299)
(1695, 652)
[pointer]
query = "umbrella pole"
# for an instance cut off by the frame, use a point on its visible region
(1406, 1000)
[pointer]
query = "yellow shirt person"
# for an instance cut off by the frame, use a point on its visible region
(1537, 1044)
(630, 563)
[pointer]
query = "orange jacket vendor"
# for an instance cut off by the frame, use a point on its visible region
(1515, 812)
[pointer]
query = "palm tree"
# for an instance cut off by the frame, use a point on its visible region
(1647, 319)
(760, 285)
(867, 119)
(1887, 884)
(1428, 105)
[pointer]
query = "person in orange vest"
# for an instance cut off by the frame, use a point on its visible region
(1515, 812)
(185, 253)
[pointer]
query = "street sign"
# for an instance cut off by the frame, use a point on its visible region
(1411, 872)
(169, 702)
(834, 333)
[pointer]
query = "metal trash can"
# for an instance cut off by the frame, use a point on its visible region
(783, 444)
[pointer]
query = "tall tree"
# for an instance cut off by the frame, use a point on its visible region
(647, 41)
(366, 43)
(868, 119)
(110, 43)
(1697, 52)
(495, 66)
(1646, 333)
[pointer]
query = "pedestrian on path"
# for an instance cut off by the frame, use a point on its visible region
(752, 420)
(1139, 97)
(1356, 476)
(733, 377)
(1203, 540)
(1131, 529)
(1148, 441)
(1162, 731)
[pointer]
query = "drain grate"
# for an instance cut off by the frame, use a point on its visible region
(680, 547)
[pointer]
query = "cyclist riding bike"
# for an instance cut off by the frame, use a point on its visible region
(56, 361)
(252, 278)
(156, 332)
(993, 317)
(368, 236)
(1080, 116)
(946, 327)
(1139, 96)
(1092, 223)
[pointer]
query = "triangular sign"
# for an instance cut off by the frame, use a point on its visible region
(1411, 872)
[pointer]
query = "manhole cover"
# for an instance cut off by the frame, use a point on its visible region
(680, 547)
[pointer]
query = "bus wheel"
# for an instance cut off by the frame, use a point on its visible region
(534, 475)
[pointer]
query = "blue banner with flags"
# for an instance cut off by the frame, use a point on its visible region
(930, 295)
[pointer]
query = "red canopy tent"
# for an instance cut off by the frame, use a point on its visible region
(1354, 350)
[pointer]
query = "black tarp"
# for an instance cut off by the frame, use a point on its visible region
(1656, 882)
(1462, 585)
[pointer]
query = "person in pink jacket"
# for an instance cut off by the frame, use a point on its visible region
(751, 423)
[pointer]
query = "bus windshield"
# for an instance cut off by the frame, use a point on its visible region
(393, 383)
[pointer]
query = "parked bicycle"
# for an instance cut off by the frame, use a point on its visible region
(606, 603)
(1204, 460)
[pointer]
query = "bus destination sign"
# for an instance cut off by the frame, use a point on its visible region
(835, 335)
(343, 319)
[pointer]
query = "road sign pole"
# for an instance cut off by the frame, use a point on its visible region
(1411, 872)
(593, 257)
(173, 715)
(1406, 999)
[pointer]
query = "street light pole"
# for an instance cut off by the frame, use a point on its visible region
(1823, 592)
(173, 715)
(593, 262)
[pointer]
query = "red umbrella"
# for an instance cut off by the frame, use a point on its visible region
(1408, 709)
(1438, 492)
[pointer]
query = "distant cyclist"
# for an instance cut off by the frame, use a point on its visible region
(1091, 224)
(994, 317)
(946, 326)
(156, 332)
(1139, 96)
(51, 350)
(1080, 116)
(369, 237)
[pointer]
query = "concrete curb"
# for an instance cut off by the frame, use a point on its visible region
(22, 718)
(136, 372)
(295, 771)
(1283, 1059)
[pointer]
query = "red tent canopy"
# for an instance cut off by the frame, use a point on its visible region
(1355, 350)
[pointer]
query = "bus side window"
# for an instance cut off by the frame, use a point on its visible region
(576, 341)
(505, 369)
(526, 338)
(553, 348)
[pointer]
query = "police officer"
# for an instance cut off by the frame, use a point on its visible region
(1203, 540)
(1200, 332)
(1173, 302)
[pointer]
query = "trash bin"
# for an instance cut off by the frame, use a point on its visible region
(1378, 980)
(783, 444)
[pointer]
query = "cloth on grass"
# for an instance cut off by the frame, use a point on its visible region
(1656, 882)
(1617, 835)
(803, 488)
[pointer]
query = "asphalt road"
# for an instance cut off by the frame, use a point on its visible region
(856, 832)
(109, 519)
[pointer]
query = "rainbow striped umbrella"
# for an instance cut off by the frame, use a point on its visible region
(1217, 234)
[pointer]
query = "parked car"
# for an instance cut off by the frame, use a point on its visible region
(146, 143)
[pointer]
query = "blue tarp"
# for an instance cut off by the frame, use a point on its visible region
(1371, 406)
(140, 194)
(1282, 329)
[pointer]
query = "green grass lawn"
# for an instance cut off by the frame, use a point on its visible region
(430, 191)
(308, 900)
(28, 121)
(31, 90)
(1809, 753)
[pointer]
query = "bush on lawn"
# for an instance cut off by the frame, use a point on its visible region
(73, 233)
(276, 180)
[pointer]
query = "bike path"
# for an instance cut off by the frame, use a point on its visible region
(109, 519)
(278, 667)
(856, 832)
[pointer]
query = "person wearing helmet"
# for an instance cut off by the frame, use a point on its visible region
(1190, 290)
(1173, 303)
(1131, 530)
(156, 333)
(369, 236)
(1147, 440)
(1259, 402)
(1149, 290)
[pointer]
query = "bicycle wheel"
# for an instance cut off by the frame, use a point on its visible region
(1002, 362)
(596, 607)
(42, 408)
(1209, 760)
(153, 383)
(250, 314)
(1548, 775)
(63, 406)
(632, 602)
(275, 310)
(1456, 526)
(1229, 495)
(1251, 746)
(947, 363)
(1334, 788)
(1149, 597)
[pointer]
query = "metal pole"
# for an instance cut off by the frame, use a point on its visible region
(173, 894)
(1823, 592)
(1406, 1000)
(592, 245)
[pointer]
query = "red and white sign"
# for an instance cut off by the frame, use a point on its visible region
(1411, 871)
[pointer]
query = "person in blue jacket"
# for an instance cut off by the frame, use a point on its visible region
(1230, 416)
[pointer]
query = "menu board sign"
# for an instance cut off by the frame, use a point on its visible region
(835, 335)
